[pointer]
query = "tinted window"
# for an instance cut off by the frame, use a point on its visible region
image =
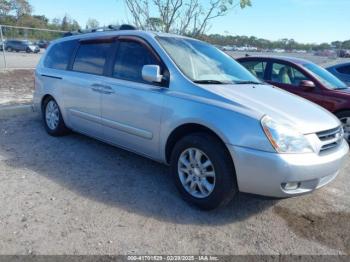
(91, 58)
(257, 68)
(286, 74)
(344, 70)
(329, 80)
(131, 58)
(59, 55)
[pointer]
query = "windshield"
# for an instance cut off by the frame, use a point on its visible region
(325, 77)
(205, 64)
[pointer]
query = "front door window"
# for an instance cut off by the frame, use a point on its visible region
(286, 74)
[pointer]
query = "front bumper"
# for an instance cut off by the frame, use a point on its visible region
(264, 173)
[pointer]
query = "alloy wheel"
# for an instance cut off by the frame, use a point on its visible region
(52, 115)
(196, 172)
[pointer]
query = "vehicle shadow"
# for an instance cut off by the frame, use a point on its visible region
(112, 176)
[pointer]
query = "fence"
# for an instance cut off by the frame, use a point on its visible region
(17, 45)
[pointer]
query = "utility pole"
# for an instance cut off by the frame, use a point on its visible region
(3, 46)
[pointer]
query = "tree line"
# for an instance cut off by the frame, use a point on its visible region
(185, 17)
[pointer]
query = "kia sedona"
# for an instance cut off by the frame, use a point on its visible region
(184, 103)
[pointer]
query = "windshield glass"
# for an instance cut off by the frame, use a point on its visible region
(203, 63)
(325, 77)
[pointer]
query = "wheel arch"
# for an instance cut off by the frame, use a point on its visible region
(43, 99)
(186, 129)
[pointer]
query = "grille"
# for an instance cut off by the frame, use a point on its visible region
(331, 138)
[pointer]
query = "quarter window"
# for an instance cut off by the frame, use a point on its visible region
(286, 74)
(257, 68)
(131, 58)
(60, 54)
(91, 58)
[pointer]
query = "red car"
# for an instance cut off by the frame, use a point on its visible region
(306, 79)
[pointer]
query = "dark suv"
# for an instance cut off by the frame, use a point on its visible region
(306, 79)
(21, 45)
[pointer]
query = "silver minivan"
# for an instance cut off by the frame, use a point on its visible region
(185, 103)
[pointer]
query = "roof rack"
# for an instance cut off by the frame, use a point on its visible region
(101, 29)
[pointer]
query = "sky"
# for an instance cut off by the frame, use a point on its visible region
(306, 21)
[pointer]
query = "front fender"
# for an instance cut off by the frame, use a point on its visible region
(234, 128)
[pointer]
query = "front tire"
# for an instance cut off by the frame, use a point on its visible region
(52, 117)
(344, 118)
(203, 171)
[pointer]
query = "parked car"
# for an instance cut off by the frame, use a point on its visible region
(21, 46)
(43, 44)
(344, 53)
(342, 71)
(185, 103)
(306, 79)
(326, 53)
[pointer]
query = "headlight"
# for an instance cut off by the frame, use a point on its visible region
(285, 138)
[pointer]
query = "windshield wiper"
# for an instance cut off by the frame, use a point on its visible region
(210, 82)
(248, 82)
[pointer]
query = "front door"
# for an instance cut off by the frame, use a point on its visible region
(131, 107)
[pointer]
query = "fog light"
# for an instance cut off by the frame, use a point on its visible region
(291, 186)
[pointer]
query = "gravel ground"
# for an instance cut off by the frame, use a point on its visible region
(16, 87)
(20, 60)
(74, 195)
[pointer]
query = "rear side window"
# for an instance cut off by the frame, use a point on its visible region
(131, 58)
(91, 58)
(344, 70)
(257, 68)
(60, 54)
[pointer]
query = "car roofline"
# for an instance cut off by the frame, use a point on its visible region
(116, 33)
(289, 59)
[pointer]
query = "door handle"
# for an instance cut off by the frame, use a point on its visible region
(104, 89)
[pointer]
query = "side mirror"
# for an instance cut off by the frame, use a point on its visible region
(151, 73)
(307, 85)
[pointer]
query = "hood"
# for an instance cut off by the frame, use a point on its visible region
(280, 105)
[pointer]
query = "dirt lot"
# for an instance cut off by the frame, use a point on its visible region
(16, 87)
(74, 195)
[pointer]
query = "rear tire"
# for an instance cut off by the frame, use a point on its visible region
(52, 117)
(203, 171)
(344, 118)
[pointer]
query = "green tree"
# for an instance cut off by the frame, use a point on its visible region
(92, 23)
(5, 7)
(21, 7)
(69, 24)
